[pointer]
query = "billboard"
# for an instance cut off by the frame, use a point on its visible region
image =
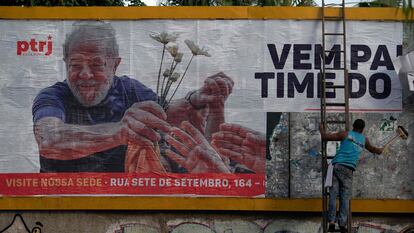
(170, 107)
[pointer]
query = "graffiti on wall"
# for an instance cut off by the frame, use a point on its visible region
(18, 225)
(256, 226)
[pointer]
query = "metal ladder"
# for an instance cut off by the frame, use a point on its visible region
(344, 105)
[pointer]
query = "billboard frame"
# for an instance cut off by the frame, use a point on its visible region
(198, 203)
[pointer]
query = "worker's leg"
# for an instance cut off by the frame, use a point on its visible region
(345, 193)
(333, 194)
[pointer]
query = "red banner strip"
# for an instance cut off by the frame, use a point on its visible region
(211, 184)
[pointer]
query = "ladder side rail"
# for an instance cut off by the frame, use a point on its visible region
(346, 95)
(346, 83)
(323, 123)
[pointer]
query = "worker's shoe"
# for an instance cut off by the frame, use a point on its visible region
(343, 229)
(331, 227)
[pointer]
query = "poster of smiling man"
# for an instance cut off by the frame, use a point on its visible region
(168, 107)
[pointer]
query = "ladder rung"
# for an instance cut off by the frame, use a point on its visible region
(333, 4)
(336, 122)
(333, 17)
(334, 34)
(335, 51)
(335, 86)
(335, 104)
(333, 68)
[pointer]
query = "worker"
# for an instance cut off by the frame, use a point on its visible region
(344, 164)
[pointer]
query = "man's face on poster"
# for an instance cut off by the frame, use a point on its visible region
(90, 72)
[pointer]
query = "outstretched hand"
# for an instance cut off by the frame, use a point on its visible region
(179, 111)
(194, 152)
(242, 145)
(139, 123)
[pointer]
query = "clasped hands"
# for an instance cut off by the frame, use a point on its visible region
(143, 121)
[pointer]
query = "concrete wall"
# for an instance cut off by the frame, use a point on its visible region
(177, 222)
(295, 167)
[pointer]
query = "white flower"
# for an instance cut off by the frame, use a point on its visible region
(172, 48)
(179, 57)
(166, 73)
(195, 49)
(164, 37)
(174, 77)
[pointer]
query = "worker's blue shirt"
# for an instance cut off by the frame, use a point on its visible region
(58, 101)
(350, 150)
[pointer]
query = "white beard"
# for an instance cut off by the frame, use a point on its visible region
(99, 94)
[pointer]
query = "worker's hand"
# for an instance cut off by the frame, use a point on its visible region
(179, 111)
(242, 145)
(194, 152)
(213, 93)
(139, 123)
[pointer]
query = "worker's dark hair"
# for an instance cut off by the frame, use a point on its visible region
(359, 124)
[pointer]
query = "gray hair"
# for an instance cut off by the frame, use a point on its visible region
(91, 31)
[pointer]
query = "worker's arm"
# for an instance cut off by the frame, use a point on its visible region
(371, 148)
(339, 136)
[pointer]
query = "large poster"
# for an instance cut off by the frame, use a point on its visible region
(170, 107)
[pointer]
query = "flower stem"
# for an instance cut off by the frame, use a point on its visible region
(172, 68)
(163, 88)
(166, 92)
(169, 83)
(179, 83)
(159, 71)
